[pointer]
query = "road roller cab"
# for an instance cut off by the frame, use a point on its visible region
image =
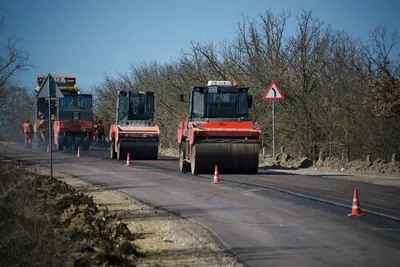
(135, 131)
(218, 130)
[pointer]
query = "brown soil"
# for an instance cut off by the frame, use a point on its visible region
(46, 222)
(377, 167)
(65, 221)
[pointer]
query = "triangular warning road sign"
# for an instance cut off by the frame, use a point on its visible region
(273, 92)
(49, 88)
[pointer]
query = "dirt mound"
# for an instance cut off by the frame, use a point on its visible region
(287, 161)
(100, 237)
(377, 166)
(49, 223)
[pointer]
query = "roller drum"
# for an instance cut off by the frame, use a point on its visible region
(139, 149)
(229, 156)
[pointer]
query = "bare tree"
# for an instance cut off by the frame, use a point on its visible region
(105, 99)
(15, 101)
(12, 59)
(17, 107)
(309, 53)
(383, 75)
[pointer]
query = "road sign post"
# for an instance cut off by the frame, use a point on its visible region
(273, 93)
(49, 90)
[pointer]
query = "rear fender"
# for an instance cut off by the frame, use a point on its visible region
(181, 132)
(113, 132)
(191, 133)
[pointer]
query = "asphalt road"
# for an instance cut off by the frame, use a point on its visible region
(375, 198)
(263, 227)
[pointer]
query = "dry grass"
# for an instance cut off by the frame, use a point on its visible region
(45, 222)
(27, 226)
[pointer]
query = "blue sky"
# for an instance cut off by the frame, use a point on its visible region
(91, 37)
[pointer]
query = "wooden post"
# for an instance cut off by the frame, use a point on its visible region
(264, 152)
(368, 159)
(394, 157)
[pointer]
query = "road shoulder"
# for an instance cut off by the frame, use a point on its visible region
(188, 243)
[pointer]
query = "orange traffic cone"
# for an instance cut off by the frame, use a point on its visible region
(78, 155)
(128, 160)
(216, 176)
(355, 208)
(48, 148)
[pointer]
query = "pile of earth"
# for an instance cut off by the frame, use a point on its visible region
(287, 161)
(47, 222)
(360, 166)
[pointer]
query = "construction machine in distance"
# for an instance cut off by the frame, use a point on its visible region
(135, 131)
(72, 115)
(218, 130)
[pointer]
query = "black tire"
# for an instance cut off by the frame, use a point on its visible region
(60, 142)
(86, 143)
(155, 155)
(184, 166)
(69, 143)
(77, 142)
(121, 154)
(113, 154)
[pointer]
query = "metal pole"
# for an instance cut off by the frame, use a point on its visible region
(273, 129)
(50, 138)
